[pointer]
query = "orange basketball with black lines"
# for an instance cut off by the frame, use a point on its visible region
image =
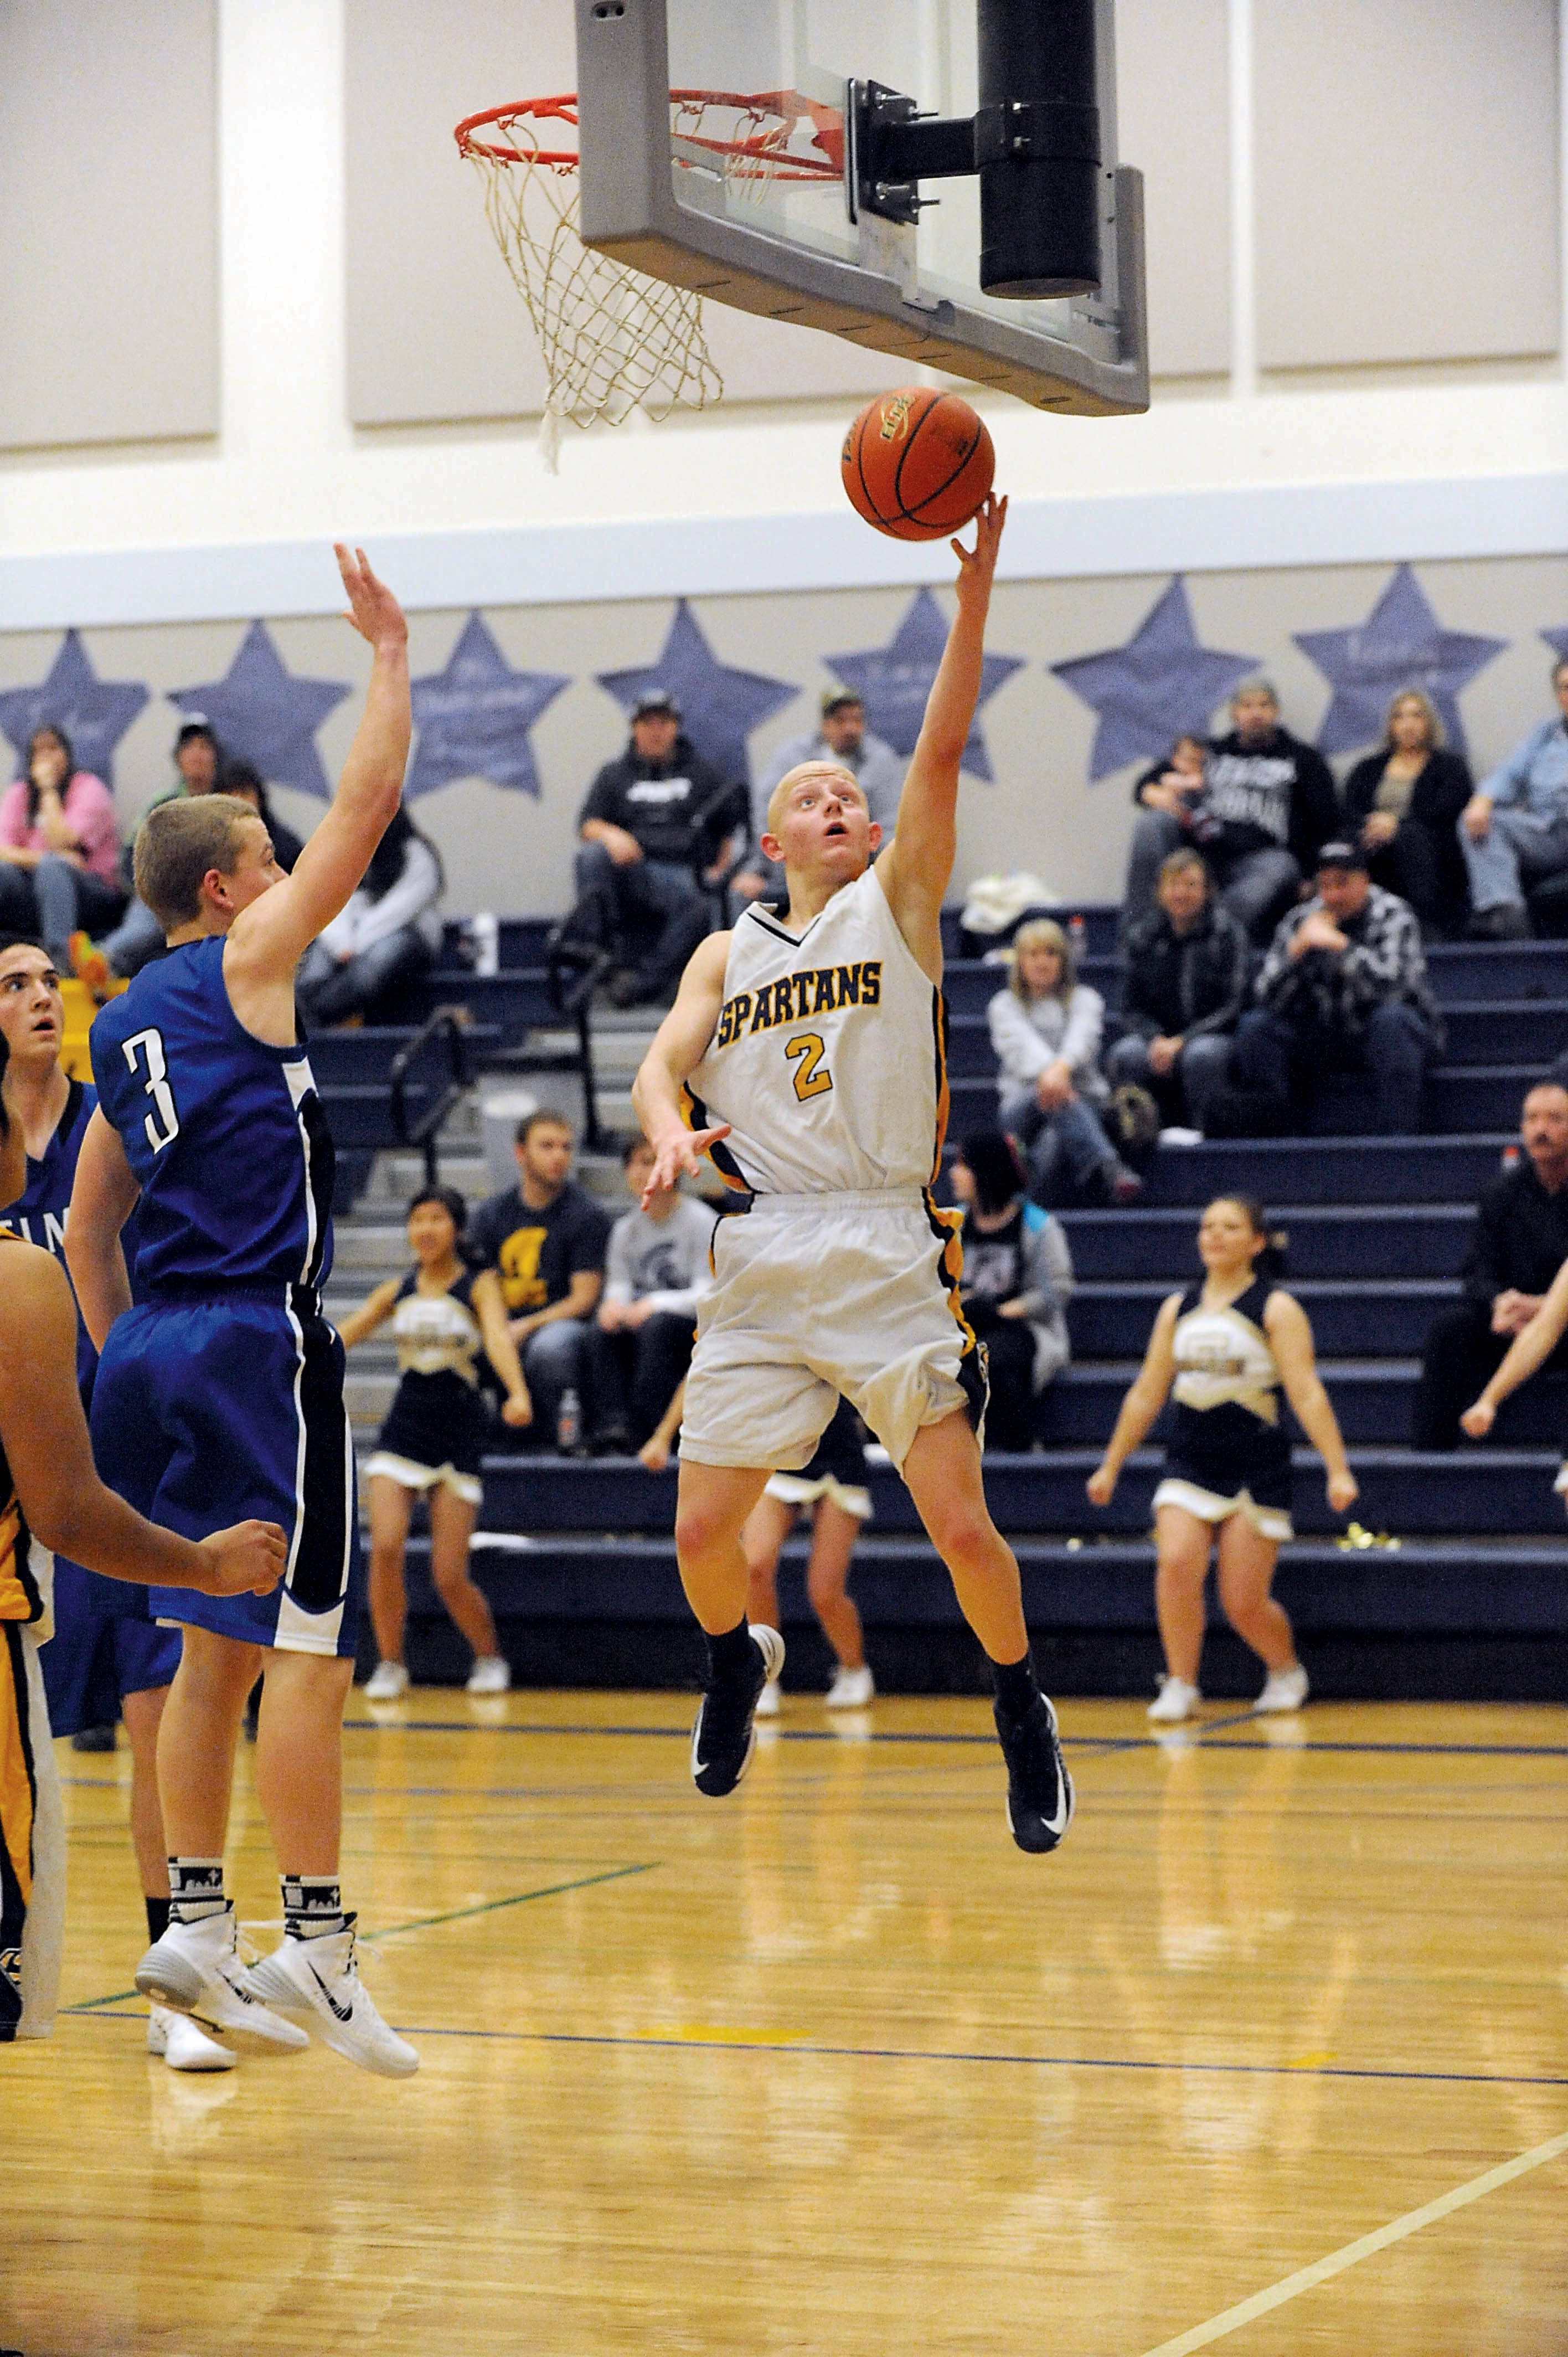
(917, 464)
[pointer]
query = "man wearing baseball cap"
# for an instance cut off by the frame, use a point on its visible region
(655, 820)
(1344, 988)
(839, 735)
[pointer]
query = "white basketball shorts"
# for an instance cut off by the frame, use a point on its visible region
(821, 1295)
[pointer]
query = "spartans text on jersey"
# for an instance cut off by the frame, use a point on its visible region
(818, 990)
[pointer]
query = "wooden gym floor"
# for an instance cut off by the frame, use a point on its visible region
(1273, 2056)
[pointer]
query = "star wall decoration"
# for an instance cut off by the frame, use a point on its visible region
(94, 713)
(1160, 685)
(1557, 641)
(894, 681)
(720, 704)
(1401, 644)
(260, 713)
(474, 717)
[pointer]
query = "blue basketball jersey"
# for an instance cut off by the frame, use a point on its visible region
(225, 1134)
(37, 1215)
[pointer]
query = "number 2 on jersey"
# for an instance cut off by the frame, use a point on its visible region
(812, 1078)
(162, 1124)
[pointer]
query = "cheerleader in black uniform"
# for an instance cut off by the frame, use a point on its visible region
(443, 1314)
(1228, 1349)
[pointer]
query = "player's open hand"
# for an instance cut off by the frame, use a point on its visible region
(1478, 1421)
(680, 1155)
(1100, 1486)
(976, 565)
(248, 1559)
(372, 610)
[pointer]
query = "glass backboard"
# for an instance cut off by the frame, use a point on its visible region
(713, 137)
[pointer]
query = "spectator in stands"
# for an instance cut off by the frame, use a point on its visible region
(841, 735)
(1533, 1347)
(1184, 990)
(640, 1345)
(658, 830)
(1267, 808)
(1017, 1277)
(1519, 1243)
(243, 778)
(1514, 830)
(1174, 786)
(1045, 1029)
(545, 1238)
(1401, 805)
(59, 848)
(198, 763)
(1344, 987)
(389, 929)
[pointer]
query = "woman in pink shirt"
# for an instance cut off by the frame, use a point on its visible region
(59, 849)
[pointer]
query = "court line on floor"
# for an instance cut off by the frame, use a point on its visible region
(1194, 1734)
(1323, 2270)
(428, 1923)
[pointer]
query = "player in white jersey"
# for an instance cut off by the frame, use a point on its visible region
(805, 1054)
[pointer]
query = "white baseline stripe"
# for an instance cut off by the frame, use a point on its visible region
(1307, 2279)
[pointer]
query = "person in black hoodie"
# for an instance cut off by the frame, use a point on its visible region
(1268, 804)
(1185, 987)
(653, 821)
(1402, 805)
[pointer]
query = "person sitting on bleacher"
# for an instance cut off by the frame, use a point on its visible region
(1185, 987)
(1018, 1275)
(1045, 1029)
(640, 1345)
(1514, 830)
(545, 1238)
(658, 824)
(1520, 1243)
(1344, 987)
(389, 929)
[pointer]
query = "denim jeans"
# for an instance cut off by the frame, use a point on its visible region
(327, 991)
(1199, 1072)
(1395, 1048)
(137, 937)
(554, 1360)
(1517, 850)
(1066, 1151)
(648, 890)
(1253, 885)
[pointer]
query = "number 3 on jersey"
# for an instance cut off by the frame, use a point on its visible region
(812, 1078)
(162, 1124)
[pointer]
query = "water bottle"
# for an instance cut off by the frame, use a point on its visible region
(485, 931)
(1077, 934)
(569, 1422)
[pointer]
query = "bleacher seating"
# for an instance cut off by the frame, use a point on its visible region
(1473, 1600)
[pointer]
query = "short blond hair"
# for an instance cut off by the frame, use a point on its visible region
(780, 793)
(181, 841)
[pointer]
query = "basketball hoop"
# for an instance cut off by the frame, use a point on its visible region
(612, 340)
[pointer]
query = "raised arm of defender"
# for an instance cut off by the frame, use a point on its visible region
(916, 866)
(268, 938)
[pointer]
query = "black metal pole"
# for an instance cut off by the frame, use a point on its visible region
(1037, 140)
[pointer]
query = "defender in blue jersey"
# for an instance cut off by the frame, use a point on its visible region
(220, 1390)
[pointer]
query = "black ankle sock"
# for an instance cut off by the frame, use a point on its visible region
(1016, 1686)
(157, 1917)
(729, 1656)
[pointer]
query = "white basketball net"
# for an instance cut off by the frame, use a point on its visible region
(612, 340)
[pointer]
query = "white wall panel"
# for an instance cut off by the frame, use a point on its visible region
(1173, 122)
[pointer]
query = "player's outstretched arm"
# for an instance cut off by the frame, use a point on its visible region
(268, 938)
(1528, 1352)
(45, 1437)
(679, 1045)
(916, 866)
(101, 1200)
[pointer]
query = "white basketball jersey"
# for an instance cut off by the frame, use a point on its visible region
(829, 1057)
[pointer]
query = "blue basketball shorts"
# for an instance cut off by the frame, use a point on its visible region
(210, 1409)
(105, 1645)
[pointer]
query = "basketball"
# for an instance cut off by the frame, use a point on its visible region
(917, 464)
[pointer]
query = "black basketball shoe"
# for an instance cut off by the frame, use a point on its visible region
(724, 1737)
(1039, 1790)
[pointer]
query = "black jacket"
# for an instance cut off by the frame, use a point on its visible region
(1276, 796)
(680, 809)
(1182, 985)
(1437, 797)
(1521, 1238)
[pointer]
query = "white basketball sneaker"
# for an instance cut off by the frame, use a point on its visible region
(1175, 1700)
(318, 1982)
(175, 2038)
(1286, 1690)
(490, 1674)
(195, 1969)
(388, 1681)
(851, 1689)
(768, 1700)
